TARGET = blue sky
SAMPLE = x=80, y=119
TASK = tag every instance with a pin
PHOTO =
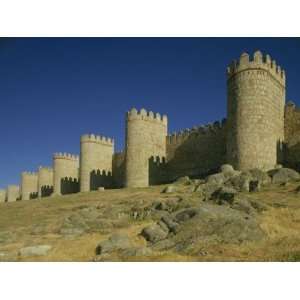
x=55, y=89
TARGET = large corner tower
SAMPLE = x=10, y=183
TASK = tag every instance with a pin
x=255, y=112
x=145, y=137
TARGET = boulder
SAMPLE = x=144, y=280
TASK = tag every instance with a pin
x=224, y=195
x=154, y=233
x=262, y=177
x=185, y=215
x=169, y=189
x=217, y=178
x=183, y=180
x=114, y=243
x=283, y=175
x=40, y=250
x=227, y=168
x=241, y=182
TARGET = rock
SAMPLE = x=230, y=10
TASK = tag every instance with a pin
x=240, y=183
x=217, y=178
x=208, y=189
x=183, y=180
x=169, y=189
x=154, y=233
x=185, y=215
x=278, y=166
x=170, y=224
x=224, y=195
x=101, y=189
x=262, y=177
x=216, y=224
x=114, y=243
x=243, y=205
x=40, y=250
x=254, y=186
x=283, y=175
x=227, y=168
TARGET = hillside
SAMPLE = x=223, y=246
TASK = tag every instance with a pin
x=181, y=225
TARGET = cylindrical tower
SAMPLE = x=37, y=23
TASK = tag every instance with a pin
x=45, y=181
x=145, y=137
x=13, y=193
x=96, y=154
x=65, y=167
x=29, y=185
x=255, y=112
x=2, y=195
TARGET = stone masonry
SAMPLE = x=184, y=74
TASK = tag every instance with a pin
x=13, y=193
x=29, y=185
x=260, y=131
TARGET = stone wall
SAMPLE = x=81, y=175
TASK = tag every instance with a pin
x=96, y=155
x=66, y=173
x=292, y=136
x=13, y=193
x=118, y=169
x=29, y=185
x=145, y=137
x=2, y=195
x=45, y=181
x=196, y=151
x=255, y=112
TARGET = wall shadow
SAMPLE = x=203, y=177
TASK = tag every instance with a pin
x=100, y=178
x=33, y=195
x=46, y=190
x=69, y=185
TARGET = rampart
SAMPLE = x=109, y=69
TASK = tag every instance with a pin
x=96, y=155
x=292, y=135
x=118, y=169
x=196, y=151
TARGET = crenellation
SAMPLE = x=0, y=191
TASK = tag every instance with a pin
x=92, y=138
x=150, y=116
x=258, y=63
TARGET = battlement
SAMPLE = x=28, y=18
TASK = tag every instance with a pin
x=211, y=128
x=26, y=173
x=257, y=62
x=92, y=138
x=133, y=114
x=48, y=169
x=66, y=156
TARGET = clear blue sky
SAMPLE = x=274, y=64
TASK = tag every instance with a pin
x=52, y=90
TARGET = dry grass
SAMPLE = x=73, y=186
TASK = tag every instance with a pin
x=37, y=222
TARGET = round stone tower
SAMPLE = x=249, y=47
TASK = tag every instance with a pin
x=255, y=112
x=65, y=166
x=96, y=153
x=45, y=181
x=29, y=185
x=145, y=137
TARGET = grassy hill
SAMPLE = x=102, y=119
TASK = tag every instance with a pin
x=73, y=226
